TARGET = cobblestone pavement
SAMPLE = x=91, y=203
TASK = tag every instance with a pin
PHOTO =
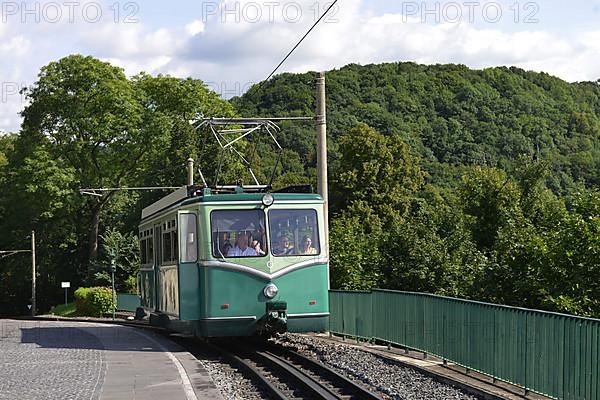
x=69, y=361
x=41, y=360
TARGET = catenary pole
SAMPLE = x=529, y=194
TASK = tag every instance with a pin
x=322, y=185
x=190, y=171
x=33, y=274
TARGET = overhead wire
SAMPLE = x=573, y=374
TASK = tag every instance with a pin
x=298, y=44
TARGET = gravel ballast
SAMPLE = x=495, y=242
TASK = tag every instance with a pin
x=231, y=383
x=393, y=381
x=378, y=374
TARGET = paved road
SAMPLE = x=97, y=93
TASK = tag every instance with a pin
x=64, y=360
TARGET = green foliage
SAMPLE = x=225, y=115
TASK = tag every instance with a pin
x=431, y=250
x=377, y=170
x=65, y=310
x=86, y=112
x=450, y=115
x=354, y=254
x=473, y=183
x=110, y=131
x=87, y=126
x=173, y=102
x=124, y=250
x=81, y=299
x=492, y=199
x=131, y=285
x=502, y=154
x=6, y=146
x=94, y=301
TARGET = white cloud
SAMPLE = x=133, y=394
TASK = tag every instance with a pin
x=247, y=51
x=16, y=47
x=194, y=28
x=132, y=42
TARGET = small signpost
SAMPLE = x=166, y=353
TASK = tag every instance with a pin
x=66, y=286
x=113, y=269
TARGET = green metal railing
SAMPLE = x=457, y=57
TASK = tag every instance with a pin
x=128, y=302
x=553, y=354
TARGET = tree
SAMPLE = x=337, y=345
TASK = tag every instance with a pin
x=111, y=131
x=90, y=114
x=574, y=266
x=354, y=251
x=492, y=199
x=123, y=249
x=431, y=249
x=177, y=102
x=379, y=171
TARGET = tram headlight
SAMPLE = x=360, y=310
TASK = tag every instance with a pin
x=270, y=290
x=268, y=200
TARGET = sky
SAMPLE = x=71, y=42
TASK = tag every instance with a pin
x=233, y=44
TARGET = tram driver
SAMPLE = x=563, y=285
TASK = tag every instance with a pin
x=241, y=248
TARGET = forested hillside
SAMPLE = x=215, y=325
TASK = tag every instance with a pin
x=473, y=183
x=453, y=116
x=478, y=184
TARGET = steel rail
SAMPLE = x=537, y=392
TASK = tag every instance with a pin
x=314, y=388
x=250, y=370
x=328, y=373
x=316, y=380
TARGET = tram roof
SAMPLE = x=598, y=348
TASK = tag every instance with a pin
x=190, y=194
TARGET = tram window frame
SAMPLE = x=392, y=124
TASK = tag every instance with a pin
x=231, y=235
x=170, y=249
x=143, y=252
x=188, y=251
x=275, y=238
x=147, y=246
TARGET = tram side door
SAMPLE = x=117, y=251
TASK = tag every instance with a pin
x=158, y=261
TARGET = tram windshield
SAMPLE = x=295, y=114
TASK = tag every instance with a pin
x=238, y=233
x=294, y=232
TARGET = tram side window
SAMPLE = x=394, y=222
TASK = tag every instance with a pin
x=169, y=242
x=238, y=233
x=150, y=247
x=294, y=232
x=146, y=247
x=188, y=238
x=143, y=250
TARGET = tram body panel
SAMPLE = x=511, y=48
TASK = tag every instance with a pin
x=192, y=285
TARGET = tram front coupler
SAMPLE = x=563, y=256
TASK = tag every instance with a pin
x=275, y=320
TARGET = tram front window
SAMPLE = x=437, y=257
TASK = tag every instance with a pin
x=238, y=233
x=294, y=232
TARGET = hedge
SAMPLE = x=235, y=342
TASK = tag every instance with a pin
x=94, y=301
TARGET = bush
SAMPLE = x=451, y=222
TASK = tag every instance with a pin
x=94, y=301
x=131, y=285
x=81, y=302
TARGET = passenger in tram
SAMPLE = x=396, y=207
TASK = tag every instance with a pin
x=241, y=248
x=306, y=247
x=285, y=247
x=256, y=247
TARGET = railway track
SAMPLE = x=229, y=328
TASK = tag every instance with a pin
x=278, y=372
x=286, y=374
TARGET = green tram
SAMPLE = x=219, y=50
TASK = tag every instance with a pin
x=235, y=262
